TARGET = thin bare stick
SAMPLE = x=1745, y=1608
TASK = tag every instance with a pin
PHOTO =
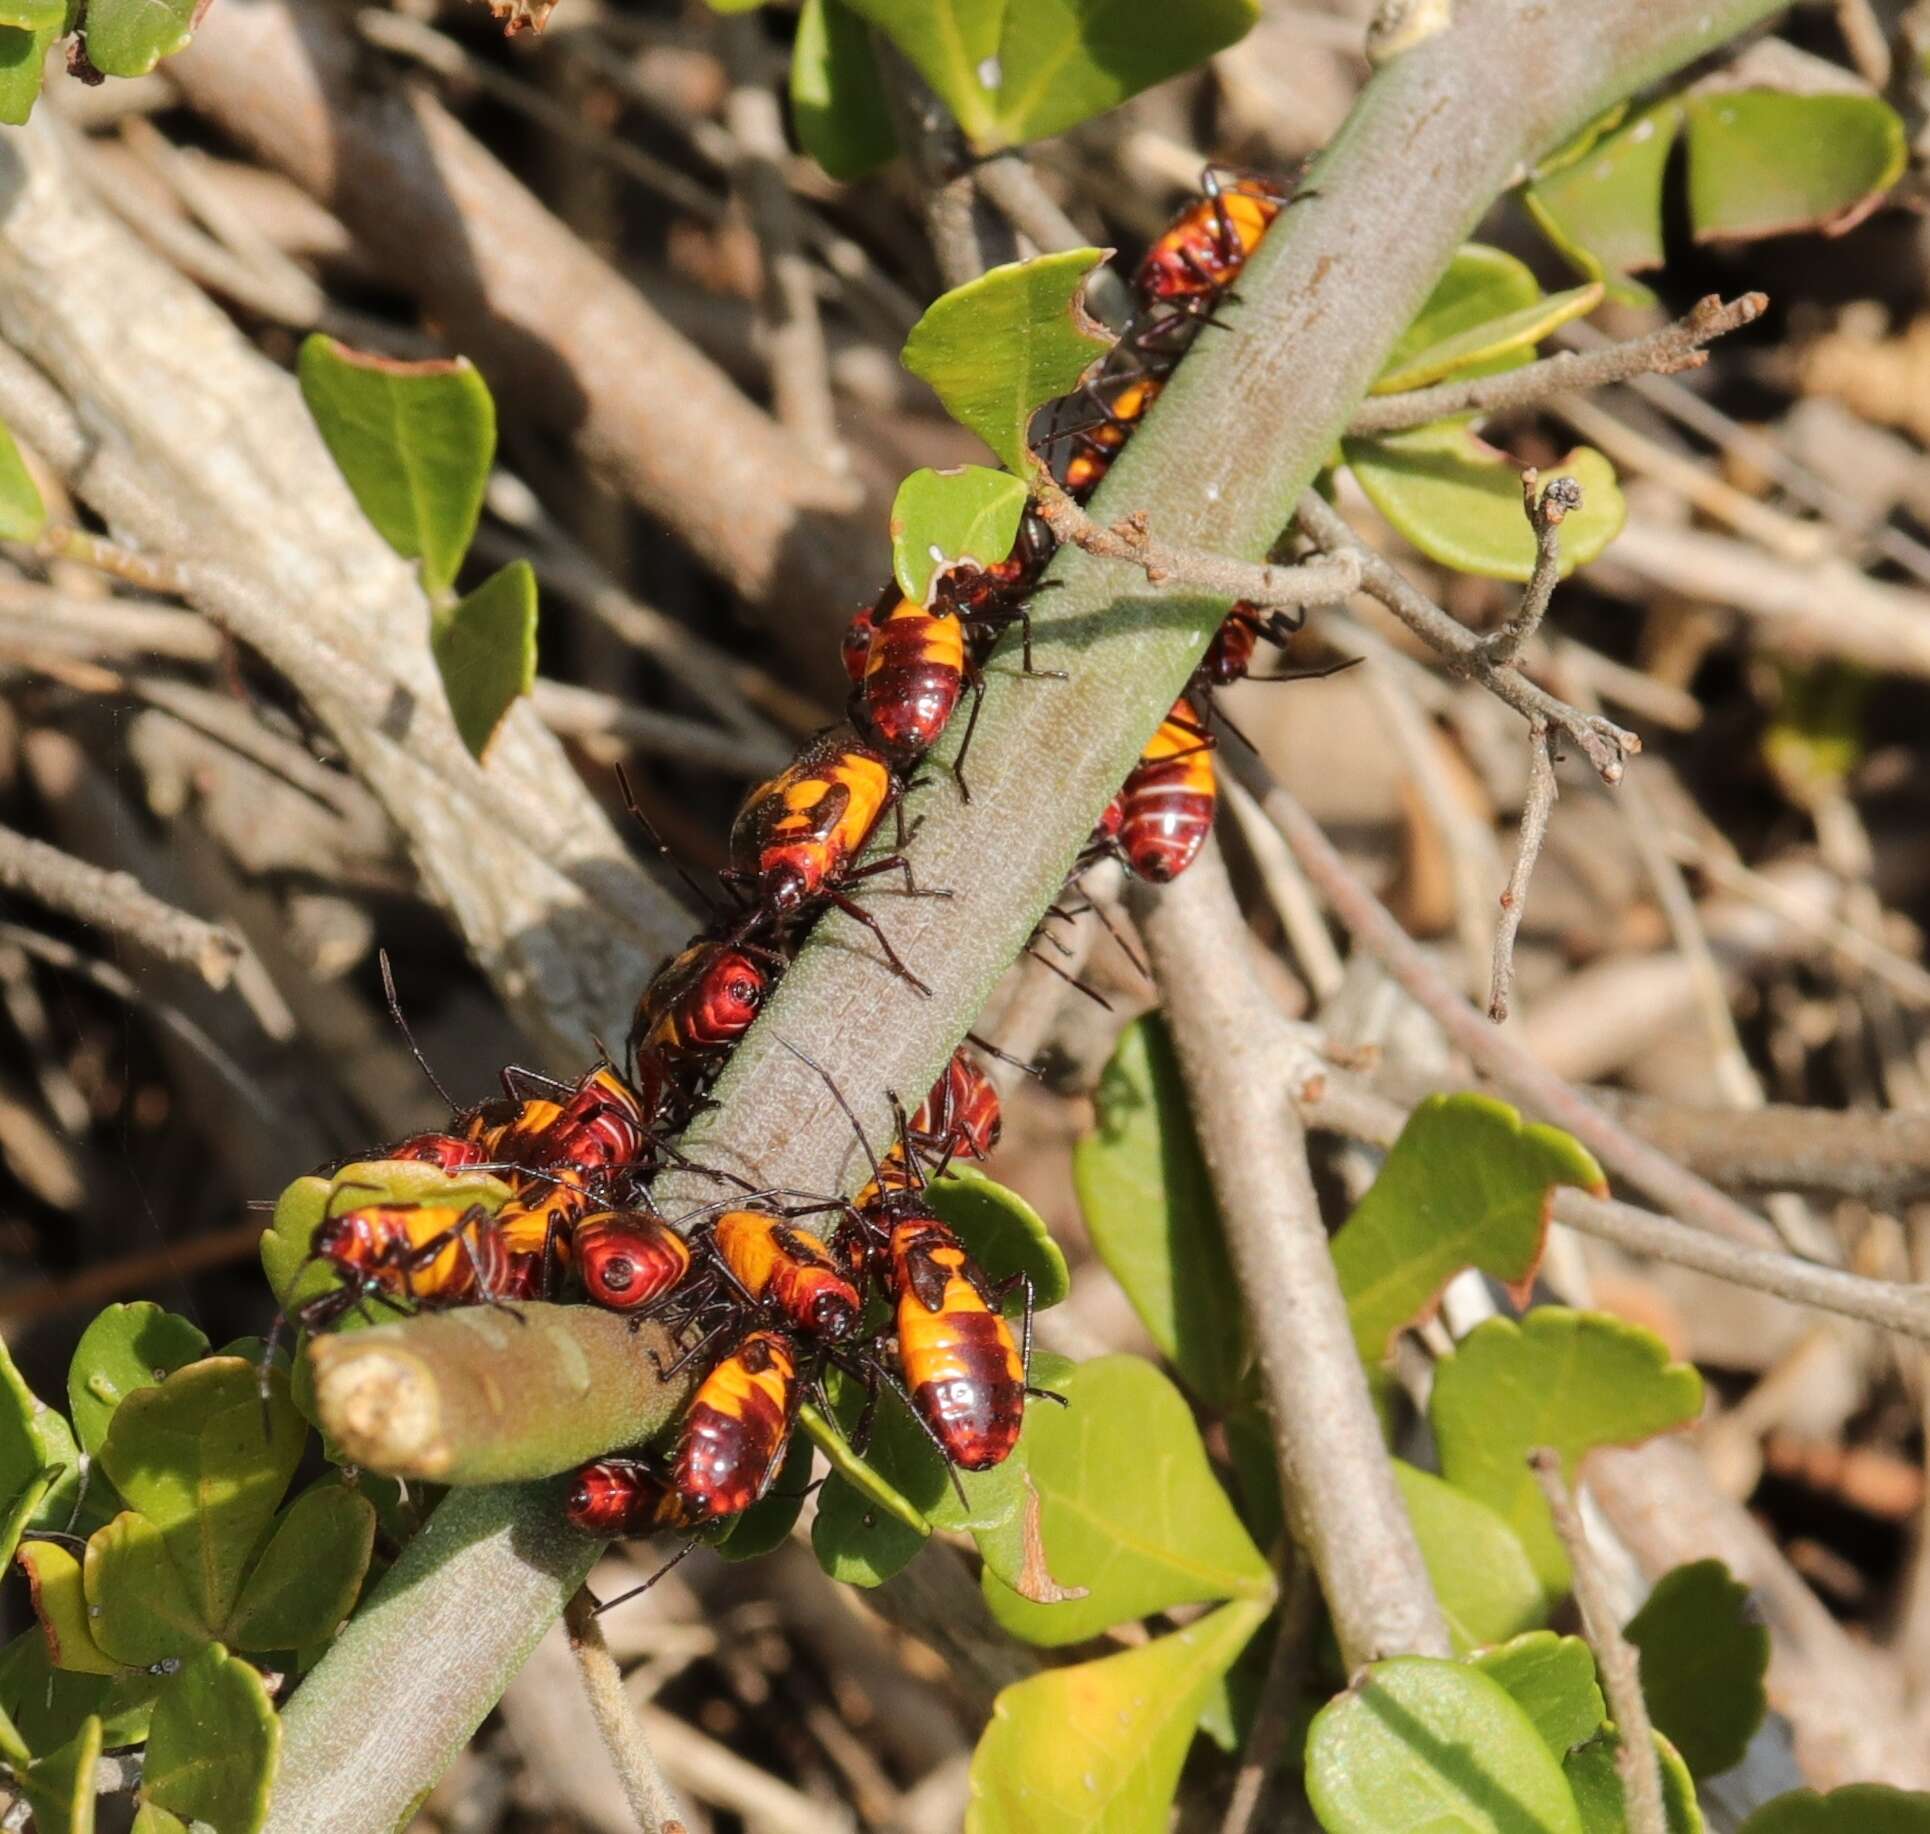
x=1535, y=811
x=1606, y=745
x=151, y=572
x=1675, y=347
x=1273, y=1717
x=116, y=902
x=651, y=1799
x=1008, y=181
x=1621, y=1676
x=1327, y=579
x=1341, y=1497
x=1493, y=1052
x=1334, y=1101
x=1545, y=514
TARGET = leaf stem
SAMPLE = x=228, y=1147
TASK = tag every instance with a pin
x=651, y=1798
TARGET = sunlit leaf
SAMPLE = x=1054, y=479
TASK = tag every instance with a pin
x=213, y=1746
x=1762, y=163
x=838, y=100
x=1458, y=499
x=414, y=440
x=940, y=517
x=1005, y=1235
x=1480, y=1570
x=129, y=37
x=1568, y=1380
x=308, y=1576
x=1553, y=1681
x=60, y=1603
x=1597, y=1787
x=1144, y=1193
x=23, y=60
x=1705, y=1651
x=1498, y=344
x=1467, y=1184
x=139, y=1606
x=1419, y=1743
x=1098, y=1746
x=1604, y=210
x=485, y=650
x=999, y=347
x=126, y=1347
x=1130, y=1508
x=1480, y=286
x=953, y=45
x=35, y=1448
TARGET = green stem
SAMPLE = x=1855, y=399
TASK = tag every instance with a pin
x=1434, y=138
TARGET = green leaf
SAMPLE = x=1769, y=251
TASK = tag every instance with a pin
x=1705, y=1650
x=1144, y=1193
x=1481, y=285
x=485, y=648
x=127, y=1347
x=1604, y=210
x=1597, y=1788
x=858, y=1541
x=1762, y=163
x=129, y=37
x=36, y=1451
x=192, y=1457
x=22, y=514
x=59, y=1788
x=1499, y=344
x=829, y=1438
x=214, y=1745
x=1005, y=1235
x=765, y=1526
x=60, y=1603
x=999, y=347
x=150, y=1820
x=1129, y=1508
x=14, y=1750
x=1065, y=61
x=1553, y=1681
x=1481, y=1573
x=838, y=99
x=23, y=61
x=1862, y=1808
x=1098, y=1746
x=1458, y=499
x=1818, y=734
x=48, y=1705
x=414, y=440
x=1467, y=1184
x=952, y=44
x=1419, y=1743
x=1569, y=1380
x=309, y=1575
x=138, y=1602
x=941, y=517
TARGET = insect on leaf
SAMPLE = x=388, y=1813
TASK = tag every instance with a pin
x=940, y=517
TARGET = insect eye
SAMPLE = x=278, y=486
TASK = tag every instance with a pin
x=618, y=1274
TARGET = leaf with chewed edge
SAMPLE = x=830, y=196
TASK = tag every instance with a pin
x=1603, y=210
x=939, y=518
x=1467, y=1184
x=998, y=348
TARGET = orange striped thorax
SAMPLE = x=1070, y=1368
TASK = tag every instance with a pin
x=799, y=1277
x=629, y=1259
x=453, y=1152
x=698, y=1004
x=1201, y=252
x=959, y=1359
x=410, y=1250
x=737, y=1427
x=797, y=833
x=1126, y=401
x=619, y=1496
x=914, y=674
x=1169, y=798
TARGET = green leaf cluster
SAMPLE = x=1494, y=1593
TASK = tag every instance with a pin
x=415, y=441
x=173, y=1475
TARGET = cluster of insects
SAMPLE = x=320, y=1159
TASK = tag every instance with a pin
x=882, y=1290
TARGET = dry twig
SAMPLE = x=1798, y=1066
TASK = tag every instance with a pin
x=650, y=1797
x=1621, y=1676
x=1536, y=808
x=1675, y=347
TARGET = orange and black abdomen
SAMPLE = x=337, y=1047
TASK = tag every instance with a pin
x=628, y=1259
x=453, y=1152
x=913, y=676
x=799, y=831
x=738, y=1425
x=1230, y=655
x=1169, y=798
x=619, y=1496
x=961, y=1116
x=699, y=1004
x=1096, y=447
x=955, y=1349
x=1202, y=251
x=792, y=1271
x=378, y=1243
x=603, y=1127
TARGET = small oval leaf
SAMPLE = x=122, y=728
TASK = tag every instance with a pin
x=1604, y=210
x=1705, y=1650
x=838, y=100
x=1497, y=344
x=998, y=348
x=1481, y=1572
x=129, y=37
x=1005, y=1235
x=485, y=650
x=59, y=1596
x=1458, y=499
x=213, y=1745
x=941, y=517
x=1861, y=1808
x=127, y=1347
x=138, y=1602
x=1553, y=1681
x=1480, y=286
x=1763, y=163
x=310, y=1573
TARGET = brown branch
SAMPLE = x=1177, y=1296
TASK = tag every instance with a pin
x=117, y=903
x=1326, y=579
x=1536, y=808
x=1545, y=514
x=1675, y=347
x=1335, y=1476
x=1493, y=1052
x=150, y=572
x=650, y=1798
x=1606, y=745
x=1635, y=1756
x=1289, y=1669
x=1009, y=181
